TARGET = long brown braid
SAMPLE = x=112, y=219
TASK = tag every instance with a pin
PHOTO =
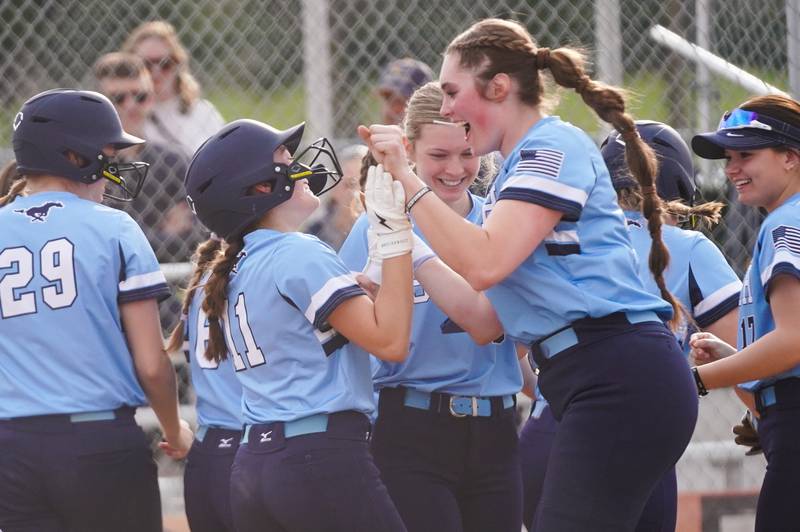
x=12, y=184
x=203, y=256
x=16, y=190
x=216, y=289
x=494, y=46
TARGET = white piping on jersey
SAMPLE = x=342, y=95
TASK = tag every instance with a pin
x=142, y=281
x=550, y=186
x=323, y=337
x=324, y=294
x=563, y=237
x=717, y=297
x=780, y=256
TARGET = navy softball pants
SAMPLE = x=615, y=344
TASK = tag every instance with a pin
x=627, y=406
x=448, y=473
x=779, y=432
x=65, y=473
x=206, y=480
x=535, y=441
x=316, y=482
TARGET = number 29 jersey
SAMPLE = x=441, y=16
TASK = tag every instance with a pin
x=65, y=266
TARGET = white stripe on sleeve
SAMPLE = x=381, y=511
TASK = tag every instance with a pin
x=718, y=297
x=324, y=294
x=548, y=186
x=142, y=281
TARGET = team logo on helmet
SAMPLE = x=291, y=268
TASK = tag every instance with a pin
x=40, y=212
x=17, y=121
x=190, y=201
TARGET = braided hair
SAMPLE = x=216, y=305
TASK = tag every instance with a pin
x=204, y=255
x=216, y=290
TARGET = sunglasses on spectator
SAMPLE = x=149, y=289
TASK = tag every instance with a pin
x=161, y=63
x=119, y=98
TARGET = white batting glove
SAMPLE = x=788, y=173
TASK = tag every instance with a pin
x=386, y=213
x=374, y=264
x=419, y=255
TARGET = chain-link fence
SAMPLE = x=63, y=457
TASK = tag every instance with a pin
x=318, y=60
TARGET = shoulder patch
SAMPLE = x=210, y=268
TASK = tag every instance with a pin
x=786, y=238
x=543, y=161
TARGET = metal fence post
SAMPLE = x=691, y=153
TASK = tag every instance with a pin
x=317, y=68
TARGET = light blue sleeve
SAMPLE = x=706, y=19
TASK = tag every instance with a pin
x=779, y=249
x=140, y=276
x=713, y=285
x=355, y=249
x=552, y=173
x=314, y=279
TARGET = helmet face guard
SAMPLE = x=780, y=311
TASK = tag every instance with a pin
x=127, y=179
x=314, y=163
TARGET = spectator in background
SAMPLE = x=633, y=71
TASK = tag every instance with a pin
x=399, y=79
x=179, y=117
x=160, y=208
x=343, y=204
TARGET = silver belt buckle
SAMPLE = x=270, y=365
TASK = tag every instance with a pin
x=473, y=401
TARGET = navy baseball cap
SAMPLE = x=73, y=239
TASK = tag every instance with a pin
x=742, y=130
x=404, y=76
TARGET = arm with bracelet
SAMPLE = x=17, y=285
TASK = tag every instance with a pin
x=471, y=310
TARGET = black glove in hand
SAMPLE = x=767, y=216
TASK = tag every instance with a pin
x=747, y=435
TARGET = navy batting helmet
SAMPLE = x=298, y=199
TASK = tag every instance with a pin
x=58, y=123
x=675, y=178
x=225, y=168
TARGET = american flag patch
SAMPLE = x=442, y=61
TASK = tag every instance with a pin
x=786, y=238
x=541, y=162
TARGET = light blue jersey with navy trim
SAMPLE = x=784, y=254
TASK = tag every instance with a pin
x=218, y=391
x=290, y=362
x=698, y=274
x=586, y=267
x=66, y=264
x=441, y=357
x=776, y=252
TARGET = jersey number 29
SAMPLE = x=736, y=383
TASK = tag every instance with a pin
x=55, y=265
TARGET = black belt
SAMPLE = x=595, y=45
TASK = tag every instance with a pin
x=785, y=392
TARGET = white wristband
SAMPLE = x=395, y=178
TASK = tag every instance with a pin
x=393, y=244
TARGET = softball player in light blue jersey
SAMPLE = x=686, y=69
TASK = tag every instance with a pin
x=296, y=324
x=555, y=257
x=760, y=142
x=698, y=275
x=218, y=404
x=80, y=341
x=445, y=437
